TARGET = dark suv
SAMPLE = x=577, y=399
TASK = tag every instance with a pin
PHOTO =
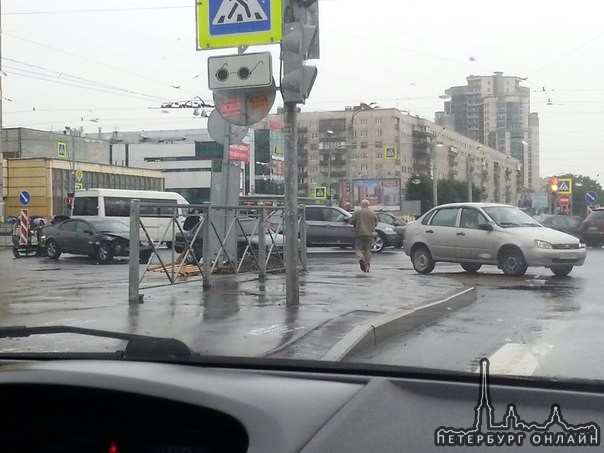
x=327, y=226
x=592, y=228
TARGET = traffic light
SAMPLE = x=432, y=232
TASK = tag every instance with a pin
x=299, y=42
x=553, y=184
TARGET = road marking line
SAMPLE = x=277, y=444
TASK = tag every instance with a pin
x=513, y=359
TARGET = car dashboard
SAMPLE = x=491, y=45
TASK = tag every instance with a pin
x=120, y=407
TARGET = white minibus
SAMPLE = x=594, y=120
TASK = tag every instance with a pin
x=115, y=203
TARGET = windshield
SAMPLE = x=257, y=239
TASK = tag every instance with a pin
x=509, y=217
x=488, y=114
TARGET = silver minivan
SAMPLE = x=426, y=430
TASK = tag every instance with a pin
x=474, y=234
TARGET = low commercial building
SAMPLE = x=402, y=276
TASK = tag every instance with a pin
x=46, y=183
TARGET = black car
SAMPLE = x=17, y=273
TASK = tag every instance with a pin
x=566, y=223
x=98, y=238
x=247, y=236
x=592, y=228
x=398, y=224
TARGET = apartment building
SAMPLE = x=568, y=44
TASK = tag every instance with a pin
x=495, y=111
x=362, y=150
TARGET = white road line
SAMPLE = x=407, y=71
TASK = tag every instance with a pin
x=515, y=359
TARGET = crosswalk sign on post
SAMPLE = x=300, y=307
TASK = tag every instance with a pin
x=62, y=150
x=233, y=23
x=565, y=186
x=390, y=152
x=320, y=193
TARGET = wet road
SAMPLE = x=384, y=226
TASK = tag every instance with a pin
x=537, y=325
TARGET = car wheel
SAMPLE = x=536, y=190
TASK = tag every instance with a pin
x=471, y=268
x=53, y=250
x=422, y=260
x=562, y=270
x=512, y=262
x=378, y=243
x=105, y=253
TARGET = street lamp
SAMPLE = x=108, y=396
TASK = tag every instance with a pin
x=362, y=107
x=469, y=174
x=435, y=145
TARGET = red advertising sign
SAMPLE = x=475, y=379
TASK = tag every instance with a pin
x=240, y=152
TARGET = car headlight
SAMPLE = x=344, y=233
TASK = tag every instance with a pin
x=582, y=245
x=389, y=230
x=543, y=244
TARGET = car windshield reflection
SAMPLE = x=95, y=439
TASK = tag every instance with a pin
x=510, y=217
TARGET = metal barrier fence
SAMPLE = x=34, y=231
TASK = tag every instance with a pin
x=236, y=238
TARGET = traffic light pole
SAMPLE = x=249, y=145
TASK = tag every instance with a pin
x=292, y=280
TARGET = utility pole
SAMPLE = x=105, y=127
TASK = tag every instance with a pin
x=434, y=175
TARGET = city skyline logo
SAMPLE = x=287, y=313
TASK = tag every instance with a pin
x=513, y=430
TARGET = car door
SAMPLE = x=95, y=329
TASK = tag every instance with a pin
x=338, y=230
x=82, y=240
x=441, y=234
x=314, y=226
x=473, y=243
x=65, y=235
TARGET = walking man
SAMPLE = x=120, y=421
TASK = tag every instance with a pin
x=364, y=221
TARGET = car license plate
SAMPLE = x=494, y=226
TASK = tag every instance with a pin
x=593, y=228
x=568, y=256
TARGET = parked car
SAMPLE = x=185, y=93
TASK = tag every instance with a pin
x=327, y=226
x=474, y=234
x=592, y=228
x=100, y=238
x=247, y=235
x=397, y=224
x=570, y=224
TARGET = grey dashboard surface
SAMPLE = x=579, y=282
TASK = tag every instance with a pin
x=310, y=411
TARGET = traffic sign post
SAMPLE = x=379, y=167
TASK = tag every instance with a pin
x=24, y=198
x=227, y=23
x=240, y=71
x=591, y=197
x=564, y=200
x=320, y=192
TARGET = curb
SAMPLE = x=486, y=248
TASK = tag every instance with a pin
x=383, y=327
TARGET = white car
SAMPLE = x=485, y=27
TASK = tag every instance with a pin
x=474, y=234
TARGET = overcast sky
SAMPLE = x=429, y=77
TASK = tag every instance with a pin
x=110, y=64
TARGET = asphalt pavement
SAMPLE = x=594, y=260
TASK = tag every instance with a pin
x=340, y=306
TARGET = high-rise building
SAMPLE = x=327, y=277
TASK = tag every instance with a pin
x=365, y=151
x=495, y=111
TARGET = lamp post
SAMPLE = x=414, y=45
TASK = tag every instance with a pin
x=362, y=107
x=434, y=176
x=469, y=174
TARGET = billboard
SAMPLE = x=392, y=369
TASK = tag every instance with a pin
x=381, y=193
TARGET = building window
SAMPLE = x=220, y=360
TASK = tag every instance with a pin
x=378, y=132
x=378, y=121
x=379, y=155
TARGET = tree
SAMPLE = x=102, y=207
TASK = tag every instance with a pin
x=449, y=191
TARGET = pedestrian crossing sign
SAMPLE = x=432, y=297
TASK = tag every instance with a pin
x=390, y=152
x=320, y=193
x=565, y=186
x=62, y=150
x=234, y=23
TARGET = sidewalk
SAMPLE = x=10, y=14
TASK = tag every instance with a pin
x=340, y=306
